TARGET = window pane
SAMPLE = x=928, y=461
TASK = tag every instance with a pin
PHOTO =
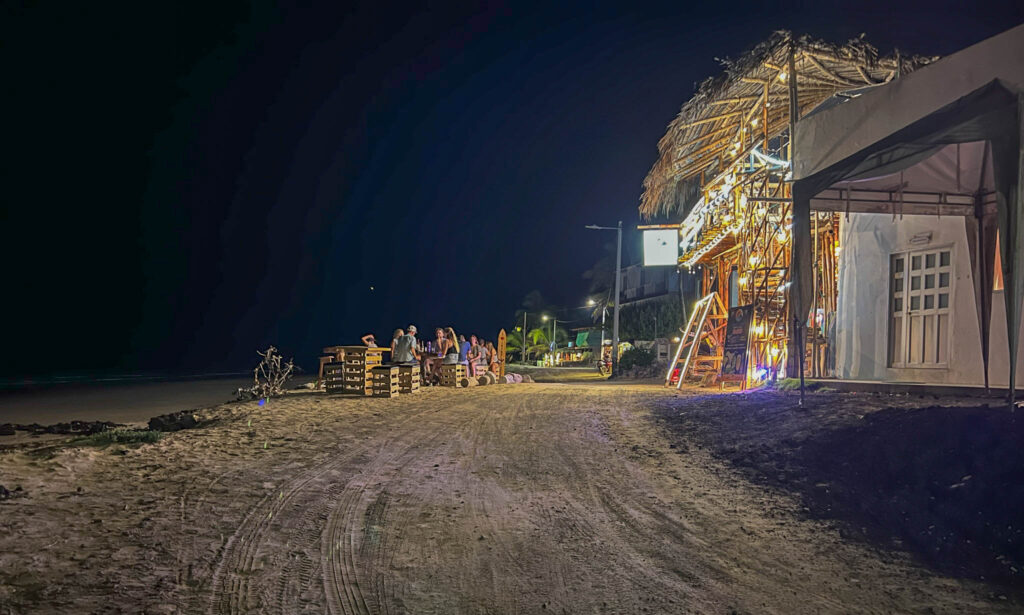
x=943, y=280
x=915, y=262
x=929, y=340
x=915, y=302
x=897, y=305
x=915, y=282
x=898, y=285
x=929, y=281
x=929, y=302
x=943, y=300
x=929, y=261
x=940, y=335
x=899, y=265
x=944, y=259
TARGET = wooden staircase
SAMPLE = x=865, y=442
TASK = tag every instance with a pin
x=699, y=354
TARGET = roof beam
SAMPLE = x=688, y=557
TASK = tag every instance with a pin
x=865, y=76
x=706, y=120
x=817, y=64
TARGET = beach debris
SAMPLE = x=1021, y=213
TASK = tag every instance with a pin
x=77, y=428
x=175, y=421
x=269, y=377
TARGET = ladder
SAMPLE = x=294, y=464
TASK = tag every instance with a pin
x=707, y=323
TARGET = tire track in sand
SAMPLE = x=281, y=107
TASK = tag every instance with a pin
x=231, y=582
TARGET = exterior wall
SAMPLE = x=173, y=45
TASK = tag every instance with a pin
x=639, y=282
x=862, y=320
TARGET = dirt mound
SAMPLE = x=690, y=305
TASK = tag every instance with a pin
x=175, y=421
x=77, y=428
x=944, y=483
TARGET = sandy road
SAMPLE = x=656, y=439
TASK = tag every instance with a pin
x=511, y=499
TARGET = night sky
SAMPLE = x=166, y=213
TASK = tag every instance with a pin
x=184, y=184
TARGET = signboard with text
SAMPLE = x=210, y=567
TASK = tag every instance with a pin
x=737, y=338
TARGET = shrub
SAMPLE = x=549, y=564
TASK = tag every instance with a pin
x=120, y=436
x=636, y=357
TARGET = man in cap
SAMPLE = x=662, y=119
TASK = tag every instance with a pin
x=405, y=347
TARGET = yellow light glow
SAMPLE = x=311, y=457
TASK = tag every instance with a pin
x=754, y=259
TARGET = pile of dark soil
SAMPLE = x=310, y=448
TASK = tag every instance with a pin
x=943, y=482
x=77, y=428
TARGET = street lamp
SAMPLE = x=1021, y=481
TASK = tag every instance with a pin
x=618, y=285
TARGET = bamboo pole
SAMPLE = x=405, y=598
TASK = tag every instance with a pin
x=794, y=107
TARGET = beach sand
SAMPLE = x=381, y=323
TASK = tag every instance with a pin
x=531, y=498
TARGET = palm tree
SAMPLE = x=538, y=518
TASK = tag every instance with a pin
x=540, y=339
x=513, y=345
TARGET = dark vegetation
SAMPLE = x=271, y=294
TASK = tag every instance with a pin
x=944, y=483
x=119, y=436
x=636, y=357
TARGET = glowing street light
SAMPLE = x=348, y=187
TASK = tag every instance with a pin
x=618, y=284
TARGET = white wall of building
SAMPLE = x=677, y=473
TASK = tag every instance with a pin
x=862, y=320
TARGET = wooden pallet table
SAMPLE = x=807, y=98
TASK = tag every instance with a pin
x=451, y=375
x=385, y=381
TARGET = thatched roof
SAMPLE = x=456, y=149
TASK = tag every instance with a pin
x=727, y=109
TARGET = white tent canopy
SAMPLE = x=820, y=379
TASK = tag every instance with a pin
x=828, y=136
x=944, y=140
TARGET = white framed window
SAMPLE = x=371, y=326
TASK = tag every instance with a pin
x=920, y=307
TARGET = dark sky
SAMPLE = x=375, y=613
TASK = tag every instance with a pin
x=185, y=184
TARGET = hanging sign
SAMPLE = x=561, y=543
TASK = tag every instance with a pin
x=737, y=337
x=661, y=247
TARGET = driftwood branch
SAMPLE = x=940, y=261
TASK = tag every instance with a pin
x=269, y=377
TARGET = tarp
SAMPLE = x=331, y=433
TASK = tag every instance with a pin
x=992, y=112
x=827, y=135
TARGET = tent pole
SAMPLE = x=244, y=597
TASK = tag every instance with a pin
x=794, y=110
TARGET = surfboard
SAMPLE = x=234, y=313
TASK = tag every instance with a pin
x=501, y=354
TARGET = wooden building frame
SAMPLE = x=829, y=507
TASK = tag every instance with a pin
x=725, y=165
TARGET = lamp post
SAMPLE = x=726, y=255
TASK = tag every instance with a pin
x=553, y=344
x=618, y=287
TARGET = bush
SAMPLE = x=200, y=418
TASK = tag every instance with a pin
x=120, y=436
x=636, y=357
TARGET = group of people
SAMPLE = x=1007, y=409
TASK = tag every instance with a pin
x=446, y=348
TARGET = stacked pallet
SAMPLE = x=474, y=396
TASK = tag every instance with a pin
x=408, y=379
x=452, y=375
x=359, y=361
x=334, y=377
x=385, y=381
